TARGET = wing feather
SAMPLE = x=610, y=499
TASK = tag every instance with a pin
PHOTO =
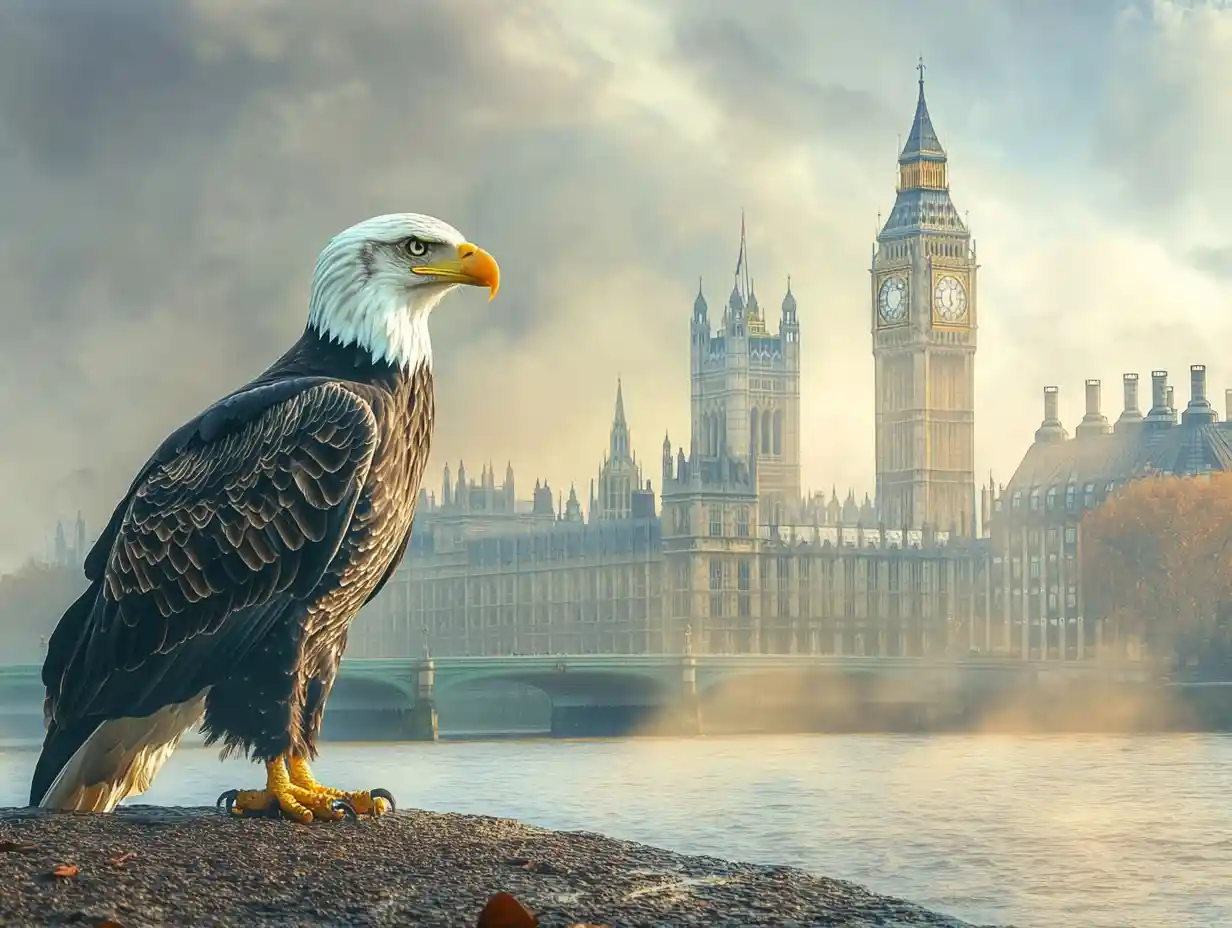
x=226, y=523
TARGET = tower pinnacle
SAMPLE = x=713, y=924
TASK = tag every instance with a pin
x=922, y=142
x=743, y=284
x=619, y=418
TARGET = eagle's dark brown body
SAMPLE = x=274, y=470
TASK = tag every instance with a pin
x=239, y=556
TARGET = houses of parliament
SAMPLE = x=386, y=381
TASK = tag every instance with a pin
x=732, y=558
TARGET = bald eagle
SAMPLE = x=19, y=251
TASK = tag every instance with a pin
x=227, y=577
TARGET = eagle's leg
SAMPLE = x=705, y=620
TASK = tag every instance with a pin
x=283, y=797
x=370, y=802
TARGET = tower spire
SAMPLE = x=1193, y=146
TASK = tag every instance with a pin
x=618, y=448
x=922, y=142
x=743, y=282
x=619, y=418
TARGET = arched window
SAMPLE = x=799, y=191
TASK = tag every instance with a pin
x=753, y=431
x=778, y=431
x=765, y=434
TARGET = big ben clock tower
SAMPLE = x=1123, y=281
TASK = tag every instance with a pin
x=924, y=315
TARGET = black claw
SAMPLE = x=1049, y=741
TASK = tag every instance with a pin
x=382, y=794
x=341, y=805
x=228, y=799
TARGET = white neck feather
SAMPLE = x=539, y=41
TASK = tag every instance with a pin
x=393, y=331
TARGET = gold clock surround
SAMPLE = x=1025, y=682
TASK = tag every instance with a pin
x=965, y=281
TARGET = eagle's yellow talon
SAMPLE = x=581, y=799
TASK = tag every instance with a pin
x=370, y=802
x=279, y=796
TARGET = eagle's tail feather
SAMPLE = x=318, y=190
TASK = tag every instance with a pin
x=93, y=765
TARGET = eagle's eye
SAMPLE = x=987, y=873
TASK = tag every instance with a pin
x=416, y=247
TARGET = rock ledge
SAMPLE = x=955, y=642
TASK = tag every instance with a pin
x=147, y=866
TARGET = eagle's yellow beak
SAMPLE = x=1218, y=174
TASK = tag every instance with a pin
x=473, y=266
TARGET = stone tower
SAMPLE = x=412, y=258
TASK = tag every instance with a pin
x=924, y=316
x=620, y=476
x=746, y=391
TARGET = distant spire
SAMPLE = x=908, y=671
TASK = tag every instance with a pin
x=922, y=141
x=743, y=282
x=619, y=418
x=789, y=303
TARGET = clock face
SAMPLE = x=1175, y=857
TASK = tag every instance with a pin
x=950, y=300
x=892, y=300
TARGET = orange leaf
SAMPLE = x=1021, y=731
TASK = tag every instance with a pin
x=504, y=911
x=123, y=858
x=108, y=923
x=65, y=871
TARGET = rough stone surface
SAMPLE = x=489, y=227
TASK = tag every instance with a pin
x=148, y=866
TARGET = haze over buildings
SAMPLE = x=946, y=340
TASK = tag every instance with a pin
x=171, y=169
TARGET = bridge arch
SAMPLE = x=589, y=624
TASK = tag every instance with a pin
x=367, y=708
x=563, y=683
x=574, y=702
x=370, y=693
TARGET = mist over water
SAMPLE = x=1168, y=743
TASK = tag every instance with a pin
x=1090, y=831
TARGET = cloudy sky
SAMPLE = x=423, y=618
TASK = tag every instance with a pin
x=170, y=168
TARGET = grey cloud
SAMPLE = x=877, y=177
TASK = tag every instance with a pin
x=1216, y=261
x=758, y=71
x=170, y=168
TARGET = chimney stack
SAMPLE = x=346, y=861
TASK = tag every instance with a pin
x=1227, y=401
x=1092, y=397
x=1171, y=400
x=1199, y=411
x=1051, y=428
x=1160, y=415
x=1094, y=422
x=1131, y=414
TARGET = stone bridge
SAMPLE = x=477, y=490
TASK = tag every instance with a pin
x=615, y=694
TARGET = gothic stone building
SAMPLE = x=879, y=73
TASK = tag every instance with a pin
x=737, y=558
x=489, y=574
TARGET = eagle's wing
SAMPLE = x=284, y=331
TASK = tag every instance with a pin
x=242, y=512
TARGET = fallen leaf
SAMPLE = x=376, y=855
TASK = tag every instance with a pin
x=123, y=858
x=108, y=923
x=16, y=847
x=504, y=911
x=65, y=871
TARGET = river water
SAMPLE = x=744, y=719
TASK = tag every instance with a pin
x=1101, y=832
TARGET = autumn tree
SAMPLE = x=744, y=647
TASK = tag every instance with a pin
x=1157, y=566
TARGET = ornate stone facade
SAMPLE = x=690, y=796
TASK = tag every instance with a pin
x=738, y=560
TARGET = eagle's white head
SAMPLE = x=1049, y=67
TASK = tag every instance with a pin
x=376, y=283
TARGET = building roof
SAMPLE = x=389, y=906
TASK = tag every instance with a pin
x=923, y=210
x=1132, y=452
x=922, y=141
